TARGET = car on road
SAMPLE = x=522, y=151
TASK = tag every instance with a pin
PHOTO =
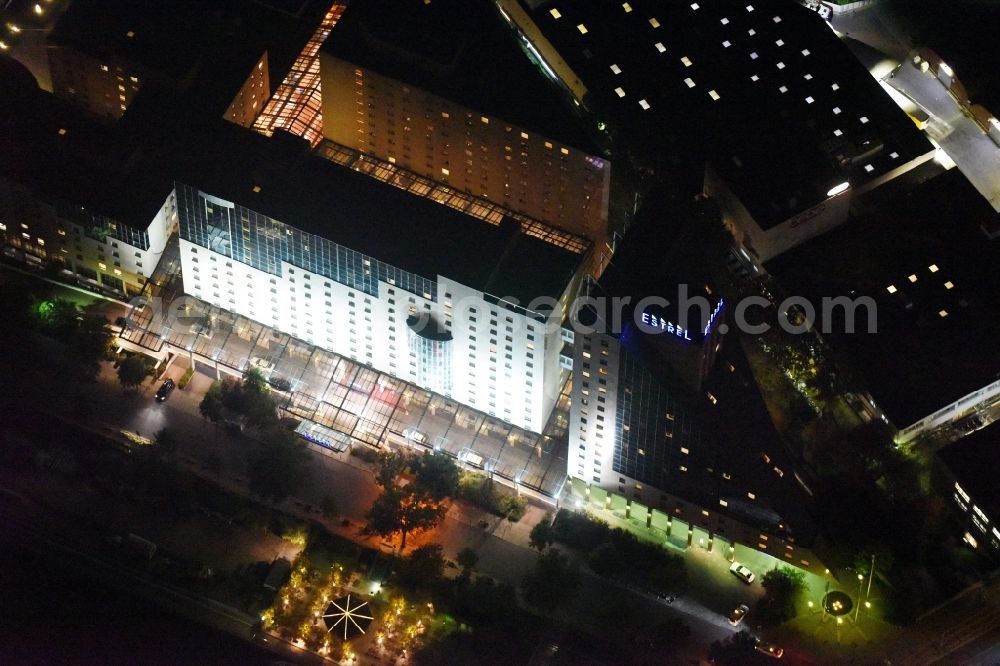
x=164, y=390
x=769, y=649
x=738, y=613
x=742, y=572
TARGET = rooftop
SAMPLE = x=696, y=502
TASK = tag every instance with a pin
x=126, y=172
x=974, y=460
x=209, y=46
x=764, y=89
x=934, y=277
x=461, y=50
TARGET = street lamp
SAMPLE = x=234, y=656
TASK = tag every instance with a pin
x=857, y=608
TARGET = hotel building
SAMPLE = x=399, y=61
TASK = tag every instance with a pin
x=444, y=90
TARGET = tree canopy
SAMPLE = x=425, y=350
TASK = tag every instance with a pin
x=133, y=370
x=552, y=582
x=279, y=465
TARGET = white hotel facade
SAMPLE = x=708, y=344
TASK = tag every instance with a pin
x=452, y=338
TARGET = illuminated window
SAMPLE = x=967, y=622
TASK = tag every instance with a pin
x=689, y=82
x=714, y=95
x=616, y=69
x=660, y=47
x=891, y=289
x=627, y=7
x=949, y=285
x=582, y=28
x=653, y=22
x=912, y=278
x=933, y=268
x=943, y=313
x=620, y=92
x=686, y=61
x=644, y=104
x=445, y=171
x=555, y=13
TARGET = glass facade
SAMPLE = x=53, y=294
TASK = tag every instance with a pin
x=263, y=243
x=101, y=228
x=432, y=347
x=654, y=425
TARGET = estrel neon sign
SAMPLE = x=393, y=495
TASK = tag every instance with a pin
x=714, y=316
x=666, y=326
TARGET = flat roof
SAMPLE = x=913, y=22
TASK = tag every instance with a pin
x=974, y=461
x=934, y=277
x=763, y=89
x=209, y=46
x=462, y=51
x=127, y=171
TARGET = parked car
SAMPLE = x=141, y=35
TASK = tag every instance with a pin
x=415, y=435
x=742, y=572
x=165, y=390
x=769, y=649
x=738, y=613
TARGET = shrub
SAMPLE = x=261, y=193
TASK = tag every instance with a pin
x=496, y=499
x=366, y=453
x=185, y=378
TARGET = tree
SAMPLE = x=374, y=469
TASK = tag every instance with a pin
x=437, y=473
x=782, y=587
x=553, y=581
x=133, y=370
x=211, y=405
x=91, y=342
x=467, y=559
x=166, y=441
x=542, y=535
x=279, y=466
x=604, y=560
x=390, y=466
x=328, y=505
x=254, y=380
x=424, y=566
x=58, y=317
x=736, y=650
x=402, y=511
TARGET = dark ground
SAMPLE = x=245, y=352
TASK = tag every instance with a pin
x=49, y=615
